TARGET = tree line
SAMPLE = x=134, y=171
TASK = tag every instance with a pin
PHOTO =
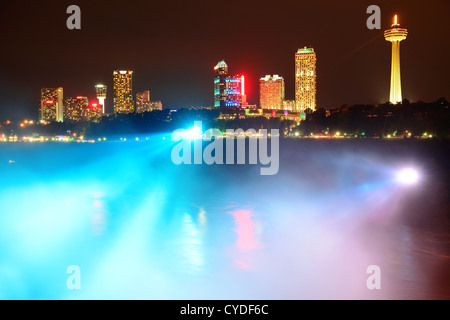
x=360, y=120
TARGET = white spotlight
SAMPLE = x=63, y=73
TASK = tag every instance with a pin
x=193, y=133
x=408, y=176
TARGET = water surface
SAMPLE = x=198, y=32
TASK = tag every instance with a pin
x=140, y=227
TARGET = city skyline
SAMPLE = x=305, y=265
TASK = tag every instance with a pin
x=353, y=69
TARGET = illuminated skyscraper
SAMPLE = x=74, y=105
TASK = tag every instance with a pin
x=233, y=91
x=52, y=104
x=305, y=79
x=74, y=108
x=156, y=105
x=220, y=73
x=79, y=109
x=93, y=112
x=227, y=89
x=100, y=89
x=123, y=98
x=395, y=35
x=143, y=101
x=271, y=92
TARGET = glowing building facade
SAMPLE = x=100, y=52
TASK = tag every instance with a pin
x=156, y=105
x=233, y=91
x=244, y=102
x=73, y=108
x=143, y=101
x=227, y=89
x=52, y=104
x=271, y=92
x=123, y=98
x=79, y=109
x=395, y=35
x=93, y=112
x=220, y=73
x=100, y=90
x=289, y=105
x=305, y=79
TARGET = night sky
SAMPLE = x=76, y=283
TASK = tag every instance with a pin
x=172, y=47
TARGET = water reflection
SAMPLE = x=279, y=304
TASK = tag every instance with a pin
x=98, y=216
x=191, y=244
x=146, y=229
x=246, y=231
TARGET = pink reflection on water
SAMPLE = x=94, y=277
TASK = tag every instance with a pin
x=246, y=231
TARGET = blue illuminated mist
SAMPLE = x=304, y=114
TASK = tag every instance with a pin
x=140, y=227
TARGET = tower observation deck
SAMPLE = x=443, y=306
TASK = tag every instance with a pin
x=395, y=35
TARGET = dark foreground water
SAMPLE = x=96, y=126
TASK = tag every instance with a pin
x=139, y=227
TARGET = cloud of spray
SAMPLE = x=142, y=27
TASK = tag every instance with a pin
x=140, y=227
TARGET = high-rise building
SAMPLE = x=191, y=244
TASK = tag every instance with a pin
x=233, y=91
x=143, y=101
x=100, y=89
x=227, y=89
x=156, y=105
x=305, y=79
x=289, y=105
x=84, y=105
x=79, y=109
x=271, y=92
x=395, y=35
x=220, y=73
x=123, y=98
x=93, y=112
x=52, y=104
x=74, y=108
